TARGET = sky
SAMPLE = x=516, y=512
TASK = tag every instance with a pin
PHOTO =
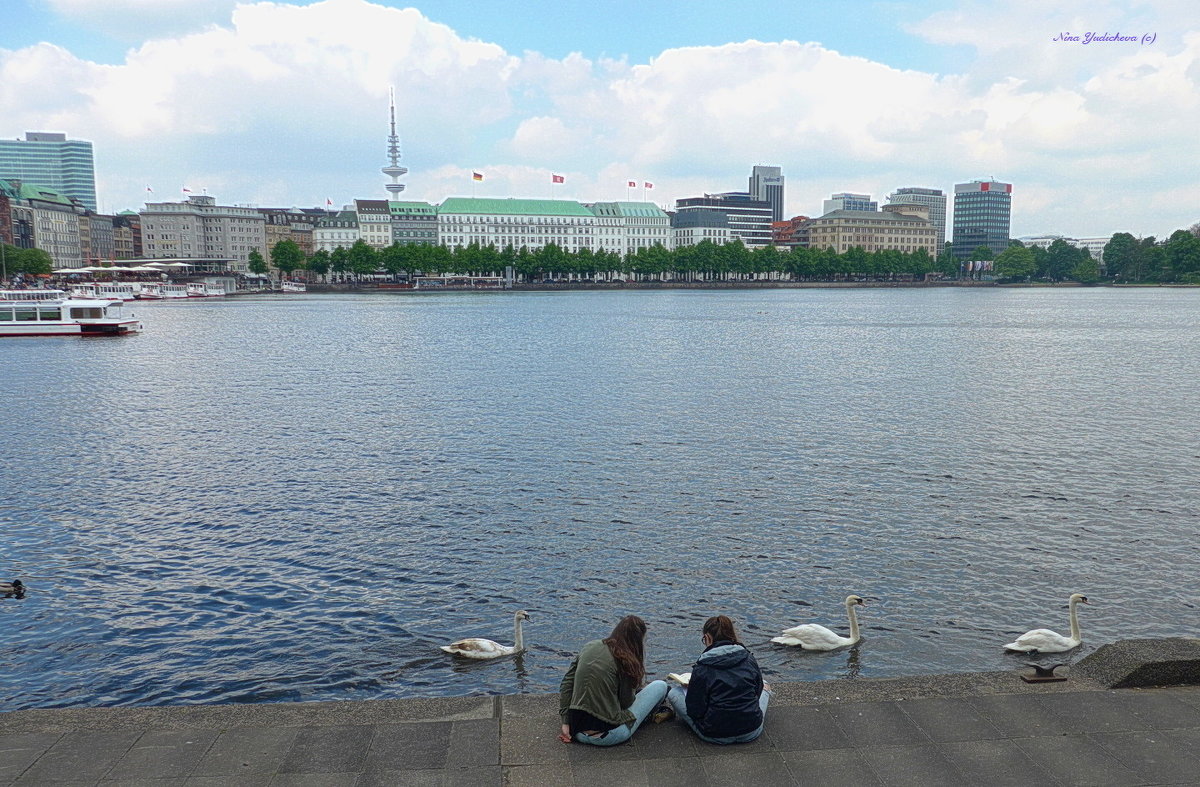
x=286, y=103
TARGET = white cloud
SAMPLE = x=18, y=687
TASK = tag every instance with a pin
x=130, y=20
x=285, y=104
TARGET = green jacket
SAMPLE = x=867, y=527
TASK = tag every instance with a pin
x=595, y=685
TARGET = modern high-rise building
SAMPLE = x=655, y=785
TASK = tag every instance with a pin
x=982, y=216
x=766, y=185
x=934, y=199
x=848, y=201
x=749, y=219
x=52, y=161
x=689, y=227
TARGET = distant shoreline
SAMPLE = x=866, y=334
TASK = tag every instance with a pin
x=742, y=285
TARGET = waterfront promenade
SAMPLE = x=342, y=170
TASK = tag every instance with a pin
x=967, y=729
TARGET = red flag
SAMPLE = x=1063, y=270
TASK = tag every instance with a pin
x=648, y=185
x=328, y=202
x=557, y=179
x=150, y=190
x=633, y=184
x=187, y=190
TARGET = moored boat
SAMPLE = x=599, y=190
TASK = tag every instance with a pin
x=170, y=291
x=293, y=286
x=55, y=313
x=205, y=290
x=150, y=292
x=117, y=290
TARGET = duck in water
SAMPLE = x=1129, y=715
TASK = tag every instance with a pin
x=14, y=589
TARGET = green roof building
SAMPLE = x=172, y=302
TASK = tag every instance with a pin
x=621, y=227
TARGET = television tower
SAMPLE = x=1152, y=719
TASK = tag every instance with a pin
x=394, y=170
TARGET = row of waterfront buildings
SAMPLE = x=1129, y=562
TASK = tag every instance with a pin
x=47, y=200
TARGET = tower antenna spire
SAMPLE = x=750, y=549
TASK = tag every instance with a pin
x=393, y=170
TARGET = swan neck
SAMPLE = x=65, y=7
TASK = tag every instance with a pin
x=853, y=613
x=518, y=642
x=1074, y=605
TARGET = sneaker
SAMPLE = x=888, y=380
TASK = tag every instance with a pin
x=664, y=713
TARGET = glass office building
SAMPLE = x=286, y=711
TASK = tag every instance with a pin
x=52, y=161
x=982, y=216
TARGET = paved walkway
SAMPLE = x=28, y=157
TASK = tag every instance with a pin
x=983, y=729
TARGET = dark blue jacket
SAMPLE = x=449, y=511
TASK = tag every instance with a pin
x=722, y=696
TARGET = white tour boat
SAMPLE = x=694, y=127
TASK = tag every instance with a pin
x=293, y=286
x=150, y=292
x=117, y=290
x=170, y=291
x=205, y=290
x=55, y=313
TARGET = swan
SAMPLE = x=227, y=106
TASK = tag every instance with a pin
x=810, y=636
x=1047, y=641
x=476, y=648
x=14, y=588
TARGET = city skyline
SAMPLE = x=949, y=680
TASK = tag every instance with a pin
x=286, y=103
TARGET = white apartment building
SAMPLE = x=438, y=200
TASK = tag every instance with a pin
x=374, y=222
x=625, y=227
x=621, y=227
x=199, y=228
x=336, y=231
x=1095, y=246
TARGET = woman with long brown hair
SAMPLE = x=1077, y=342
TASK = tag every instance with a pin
x=598, y=699
x=725, y=700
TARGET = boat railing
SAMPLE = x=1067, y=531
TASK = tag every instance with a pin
x=32, y=295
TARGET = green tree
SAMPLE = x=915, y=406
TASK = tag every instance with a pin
x=1087, y=270
x=395, y=258
x=256, y=263
x=982, y=253
x=287, y=257
x=1062, y=258
x=33, y=262
x=1120, y=255
x=362, y=259
x=1182, y=251
x=1150, y=260
x=339, y=260
x=947, y=263
x=1015, y=262
x=319, y=262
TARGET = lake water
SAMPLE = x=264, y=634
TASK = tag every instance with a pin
x=301, y=497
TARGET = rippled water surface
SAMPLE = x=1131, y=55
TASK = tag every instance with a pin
x=300, y=498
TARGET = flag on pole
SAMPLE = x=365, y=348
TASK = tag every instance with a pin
x=186, y=190
x=632, y=184
x=477, y=176
x=557, y=179
x=648, y=185
x=149, y=190
x=328, y=202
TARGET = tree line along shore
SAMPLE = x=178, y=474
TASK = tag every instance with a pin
x=1126, y=259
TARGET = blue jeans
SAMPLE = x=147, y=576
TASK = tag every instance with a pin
x=643, y=705
x=678, y=699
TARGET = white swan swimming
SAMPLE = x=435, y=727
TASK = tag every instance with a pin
x=811, y=636
x=1047, y=641
x=477, y=648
